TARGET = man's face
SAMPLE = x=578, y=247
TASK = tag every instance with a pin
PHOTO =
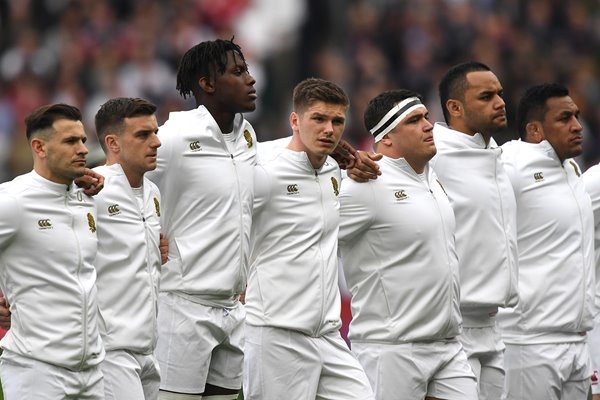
x=319, y=128
x=234, y=89
x=561, y=127
x=412, y=138
x=64, y=151
x=138, y=143
x=484, y=108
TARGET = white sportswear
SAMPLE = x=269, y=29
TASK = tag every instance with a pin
x=293, y=278
x=47, y=248
x=207, y=194
x=556, y=254
x=485, y=210
x=128, y=262
x=400, y=263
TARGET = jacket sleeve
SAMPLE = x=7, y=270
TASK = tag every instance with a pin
x=10, y=216
x=262, y=188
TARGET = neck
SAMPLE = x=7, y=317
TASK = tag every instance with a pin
x=462, y=128
x=223, y=118
x=316, y=160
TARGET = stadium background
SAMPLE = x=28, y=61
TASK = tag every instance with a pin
x=84, y=52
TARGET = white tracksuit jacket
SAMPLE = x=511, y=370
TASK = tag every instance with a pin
x=207, y=195
x=484, y=206
x=128, y=263
x=293, y=277
x=400, y=263
x=555, y=234
x=591, y=178
x=47, y=249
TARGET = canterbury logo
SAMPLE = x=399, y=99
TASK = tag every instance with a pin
x=248, y=137
x=400, y=195
x=91, y=222
x=575, y=167
x=195, y=146
x=44, y=224
x=336, y=187
x=157, y=206
x=538, y=176
x=292, y=189
x=114, y=209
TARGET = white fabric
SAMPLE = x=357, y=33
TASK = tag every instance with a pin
x=485, y=353
x=199, y=344
x=207, y=197
x=594, y=345
x=484, y=206
x=591, y=178
x=292, y=282
x=128, y=262
x=286, y=364
x=47, y=248
x=558, y=371
x=395, y=230
x=130, y=376
x=556, y=247
x=409, y=371
x=24, y=378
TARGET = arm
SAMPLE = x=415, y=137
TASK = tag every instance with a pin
x=357, y=210
x=4, y=313
x=91, y=183
x=164, y=249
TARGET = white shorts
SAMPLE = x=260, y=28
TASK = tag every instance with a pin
x=130, y=376
x=594, y=344
x=198, y=344
x=285, y=364
x=485, y=352
x=28, y=379
x=409, y=371
x=547, y=371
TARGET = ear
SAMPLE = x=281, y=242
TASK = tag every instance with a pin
x=535, y=132
x=38, y=147
x=294, y=119
x=112, y=143
x=454, y=107
x=206, y=85
x=386, y=141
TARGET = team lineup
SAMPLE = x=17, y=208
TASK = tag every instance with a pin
x=198, y=263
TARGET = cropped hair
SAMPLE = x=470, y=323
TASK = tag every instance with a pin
x=205, y=59
x=533, y=106
x=380, y=105
x=312, y=90
x=454, y=83
x=111, y=115
x=40, y=121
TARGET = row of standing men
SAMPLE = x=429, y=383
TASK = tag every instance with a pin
x=430, y=257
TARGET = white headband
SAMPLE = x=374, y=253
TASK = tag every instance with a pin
x=395, y=116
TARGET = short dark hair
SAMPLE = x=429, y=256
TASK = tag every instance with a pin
x=312, y=90
x=533, y=106
x=383, y=103
x=111, y=115
x=454, y=83
x=205, y=59
x=40, y=121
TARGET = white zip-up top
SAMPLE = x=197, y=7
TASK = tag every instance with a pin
x=484, y=206
x=397, y=244
x=207, y=193
x=47, y=248
x=293, y=277
x=555, y=234
x=591, y=178
x=128, y=262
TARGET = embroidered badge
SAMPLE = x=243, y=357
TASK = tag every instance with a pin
x=157, y=206
x=91, y=222
x=336, y=187
x=248, y=137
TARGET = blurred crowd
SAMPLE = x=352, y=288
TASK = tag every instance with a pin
x=83, y=52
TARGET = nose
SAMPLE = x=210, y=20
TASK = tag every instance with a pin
x=427, y=126
x=250, y=80
x=577, y=127
x=155, y=143
x=82, y=149
x=500, y=103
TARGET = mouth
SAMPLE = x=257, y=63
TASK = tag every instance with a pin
x=429, y=139
x=327, y=142
x=577, y=140
x=252, y=94
x=79, y=162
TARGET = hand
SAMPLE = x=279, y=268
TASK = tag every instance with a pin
x=91, y=182
x=164, y=249
x=4, y=313
x=344, y=154
x=366, y=168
